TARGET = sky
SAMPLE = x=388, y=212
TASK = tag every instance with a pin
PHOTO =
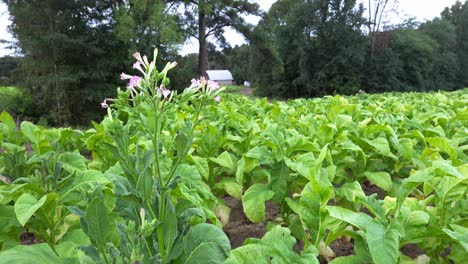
x=421, y=9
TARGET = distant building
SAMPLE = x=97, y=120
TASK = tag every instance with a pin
x=223, y=77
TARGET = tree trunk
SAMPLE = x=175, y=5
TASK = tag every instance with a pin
x=203, y=49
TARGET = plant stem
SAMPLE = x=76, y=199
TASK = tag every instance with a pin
x=162, y=205
x=105, y=256
x=182, y=155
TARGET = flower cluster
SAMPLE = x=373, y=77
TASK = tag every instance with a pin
x=141, y=85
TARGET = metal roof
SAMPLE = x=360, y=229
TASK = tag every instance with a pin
x=219, y=75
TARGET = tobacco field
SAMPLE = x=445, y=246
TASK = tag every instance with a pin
x=154, y=182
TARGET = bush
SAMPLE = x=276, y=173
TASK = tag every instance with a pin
x=14, y=101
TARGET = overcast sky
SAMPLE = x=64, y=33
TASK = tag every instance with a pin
x=421, y=9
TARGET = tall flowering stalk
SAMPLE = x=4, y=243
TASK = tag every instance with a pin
x=147, y=105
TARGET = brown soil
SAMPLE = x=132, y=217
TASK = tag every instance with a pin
x=241, y=228
x=28, y=238
x=342, y=247
x=412, y=250
x=370, y=189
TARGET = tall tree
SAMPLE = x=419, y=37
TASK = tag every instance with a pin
x=147, y=24
x=209, y=18
x=312, y=45
x=68, y=66
x=377, y=11
x=457, y=14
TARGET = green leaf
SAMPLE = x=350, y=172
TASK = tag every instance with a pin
x=6, y=119
x=145, y=185
x=232, y=188
x=279, y=180
x=459, y=234
x=346, y=260
x=253, y=202
x=26, y=206
x=101, y=228
x=73, y=161
x=418, y=218
x=250, y=253
x=37, y=254
x=406, y=148
x=381, y=145
x=359, y=220
x=225, y=160
x=383, y=243
x=202, y=166
x=443, y=145
x=381, y=179
x=205, y=243
x=240, y=171
x=276, y=246
x=8, y=218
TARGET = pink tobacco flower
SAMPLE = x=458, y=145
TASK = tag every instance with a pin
x=218, y=98
x=134, y=81
x=212, y=85
x=104, y=104
x=136, y=65
x=137, y=56
x=196, y=83
x=124, y=76
x=165, y=93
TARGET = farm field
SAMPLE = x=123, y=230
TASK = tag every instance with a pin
x=197, y=178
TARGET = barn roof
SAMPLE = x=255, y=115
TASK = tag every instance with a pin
x=219, y=75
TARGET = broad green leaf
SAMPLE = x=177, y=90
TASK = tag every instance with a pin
x=359, y=220
x=446, y=168
x=8, y=218
x=37, y=254
x=205, y=243
x=101, y=227
x=29, y=130
x=383, y=243
x=26, y=206
x=381, y=179
x=232, y=188
x=253, y=202
x=278, y=180
x=406, y=148
x=224, y=159
x=459, y=234
x=381, y=145
x=250, y=253
x=73, y=161
x=418, y=218
x=145, y=185
x=240, y=171
x=202, y=166
x=443, y=145
x=346, y=260
x=6, y=119
x=309, y=212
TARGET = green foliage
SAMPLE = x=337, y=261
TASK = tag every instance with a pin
x=14, y=101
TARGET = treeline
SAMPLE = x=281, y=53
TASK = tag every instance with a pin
x=315, y=48
x=72, y=52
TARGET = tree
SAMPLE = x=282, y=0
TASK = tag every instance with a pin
x=317, y=48
x=457, y=14
x=70, y=55
x=145, y=25
x=208, y=18
x=376, y=13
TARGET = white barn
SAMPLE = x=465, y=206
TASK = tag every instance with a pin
x=223, y=77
